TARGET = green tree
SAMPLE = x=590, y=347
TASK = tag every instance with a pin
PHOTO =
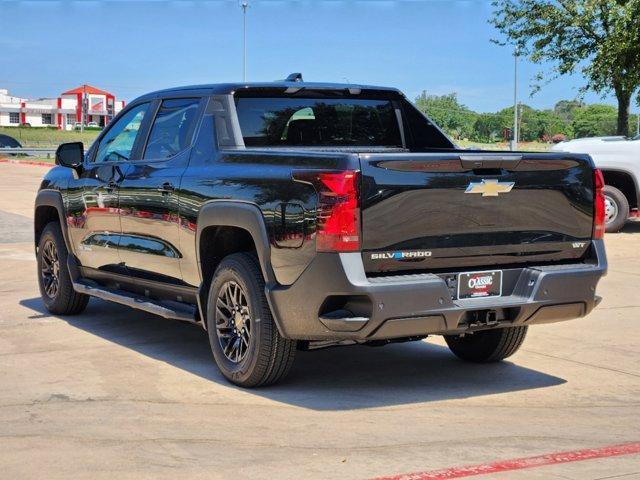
x=534, y=124
x=599, y=38
x=594, y=121
x=488, y=127
x=450, y=115
x=566, y=108
x=545, y=124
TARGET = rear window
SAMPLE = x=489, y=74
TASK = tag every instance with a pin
x=171, y=129
x=266, y=122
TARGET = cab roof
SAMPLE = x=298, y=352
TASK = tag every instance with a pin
x=230, y=88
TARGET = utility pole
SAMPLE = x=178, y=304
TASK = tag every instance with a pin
x=514, y=140
x=638, y=123
x=83, y=109
x=244, y=4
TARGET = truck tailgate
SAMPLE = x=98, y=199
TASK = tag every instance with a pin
x=426, y=211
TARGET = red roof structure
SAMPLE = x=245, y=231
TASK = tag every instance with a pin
x=86, y=89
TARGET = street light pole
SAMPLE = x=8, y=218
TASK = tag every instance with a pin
x=83, y=112
x=244, y=5
x=514, y=140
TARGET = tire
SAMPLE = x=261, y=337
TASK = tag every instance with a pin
x=487, y=345
x=246, y=345
x=52, y=268
x=617, y=206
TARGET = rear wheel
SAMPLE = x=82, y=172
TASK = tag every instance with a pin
x=487, y=345
x=616, y=209
x=54, y=280
x=245, y=341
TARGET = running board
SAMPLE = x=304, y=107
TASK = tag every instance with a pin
x=171, y=310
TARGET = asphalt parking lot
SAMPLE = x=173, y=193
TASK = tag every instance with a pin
x=115, y=393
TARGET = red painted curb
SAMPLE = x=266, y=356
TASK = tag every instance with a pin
x=26, y=162
x=521, y=463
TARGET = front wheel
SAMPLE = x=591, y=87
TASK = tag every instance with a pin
x=245, y=341
x=54, y=280
x=487, y=345
x=616, y=209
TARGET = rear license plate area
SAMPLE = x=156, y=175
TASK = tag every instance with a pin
x=480, y=284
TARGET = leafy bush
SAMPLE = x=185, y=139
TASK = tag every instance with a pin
x=568, y=119
x=450, y=115
x=488, y=127
x=595, y=121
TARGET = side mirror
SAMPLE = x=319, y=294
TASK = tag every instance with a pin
x=70, y=155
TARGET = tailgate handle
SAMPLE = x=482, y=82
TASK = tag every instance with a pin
x=478, y=162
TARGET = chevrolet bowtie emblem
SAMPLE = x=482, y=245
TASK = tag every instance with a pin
x=489, y=188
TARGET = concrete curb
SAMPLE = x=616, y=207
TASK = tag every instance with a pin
x=32, y=163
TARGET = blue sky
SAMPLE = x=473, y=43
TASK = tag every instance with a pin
x=131, y=48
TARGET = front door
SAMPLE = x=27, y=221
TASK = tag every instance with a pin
x=93, y=208
x=150, y=245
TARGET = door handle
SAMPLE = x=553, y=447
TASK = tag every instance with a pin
x=166, y=188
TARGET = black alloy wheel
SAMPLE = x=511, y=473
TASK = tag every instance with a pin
x=50, y=269
x=233, y=321
x=54, y=278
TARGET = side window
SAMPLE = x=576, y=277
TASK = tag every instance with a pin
x=172, y=127
x=118, y=142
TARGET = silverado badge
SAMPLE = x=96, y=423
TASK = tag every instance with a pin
x=489, y=188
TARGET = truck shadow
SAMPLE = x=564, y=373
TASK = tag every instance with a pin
x=630, y=227
x=343, y=378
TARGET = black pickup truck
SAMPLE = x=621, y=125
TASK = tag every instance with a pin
x=293, y=215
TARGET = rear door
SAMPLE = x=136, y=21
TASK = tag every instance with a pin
x=454, y=210
x=150, y=241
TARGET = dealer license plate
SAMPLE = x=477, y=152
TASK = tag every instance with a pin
x=480, y=284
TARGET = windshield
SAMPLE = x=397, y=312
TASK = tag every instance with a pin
x=266, y=122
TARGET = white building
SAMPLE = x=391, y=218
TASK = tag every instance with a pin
x=62, y=112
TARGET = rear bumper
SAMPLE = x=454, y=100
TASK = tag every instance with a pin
x=417, y=305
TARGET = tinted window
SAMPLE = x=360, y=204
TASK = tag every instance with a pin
x=117, y=143
x=317, y=122
x=424, y=134
x=171, y=129
x=7, y=141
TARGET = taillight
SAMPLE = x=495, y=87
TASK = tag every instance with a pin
x=338, y=227
x=598, y=205
x=338, y=213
